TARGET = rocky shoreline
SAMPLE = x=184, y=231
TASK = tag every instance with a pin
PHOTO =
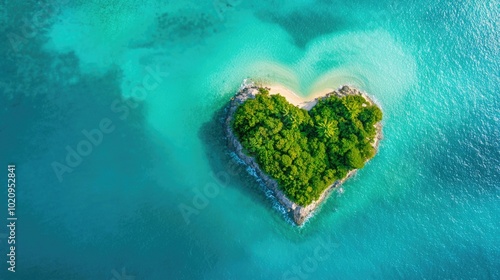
x=299, y=213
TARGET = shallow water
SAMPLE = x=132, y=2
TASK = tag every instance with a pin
x=426, y=206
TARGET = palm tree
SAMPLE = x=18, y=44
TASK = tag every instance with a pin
x=326, y=128
x=286, y=112
x=289, y=119
x=293, y=121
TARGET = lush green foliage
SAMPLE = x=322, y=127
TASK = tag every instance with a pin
x=307, y=151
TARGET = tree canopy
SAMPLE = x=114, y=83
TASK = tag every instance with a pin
x=306, y=151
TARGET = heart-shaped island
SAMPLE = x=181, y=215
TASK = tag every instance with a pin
x=303, y=151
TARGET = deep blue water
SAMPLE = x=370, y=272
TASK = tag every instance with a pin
x=156, y=76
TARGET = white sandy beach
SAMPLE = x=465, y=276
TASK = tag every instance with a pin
x=302, y=102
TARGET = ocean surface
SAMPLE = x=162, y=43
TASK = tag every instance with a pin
x=155, y=194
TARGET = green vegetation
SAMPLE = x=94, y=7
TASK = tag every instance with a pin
x=307, y=151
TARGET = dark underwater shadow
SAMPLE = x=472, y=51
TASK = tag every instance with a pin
x=306, y=24
x=120, y=187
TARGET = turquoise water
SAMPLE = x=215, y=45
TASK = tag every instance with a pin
x=427, y=206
